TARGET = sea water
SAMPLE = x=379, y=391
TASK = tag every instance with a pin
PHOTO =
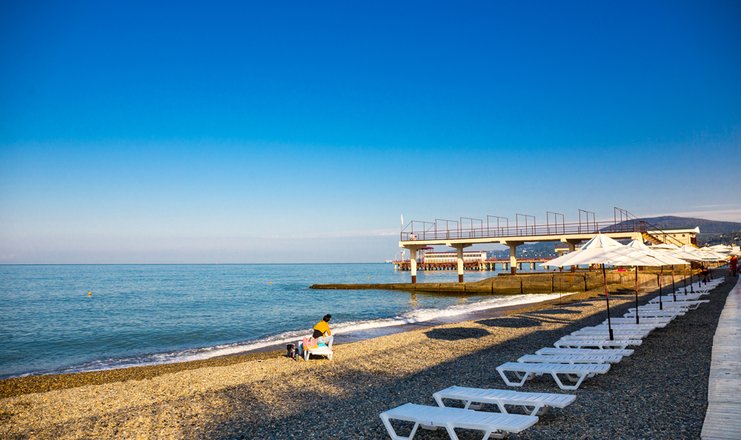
x=153, y=314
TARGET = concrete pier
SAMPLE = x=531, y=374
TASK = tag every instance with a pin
x=420, y=234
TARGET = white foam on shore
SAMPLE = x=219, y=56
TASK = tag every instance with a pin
x=412, y=317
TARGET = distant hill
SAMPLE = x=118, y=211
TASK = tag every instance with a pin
x=706, y=226
x=711, y=231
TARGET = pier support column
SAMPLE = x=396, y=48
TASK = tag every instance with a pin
x=459, y=260
x=459, y=257
x=413, y=264
x=513, y=255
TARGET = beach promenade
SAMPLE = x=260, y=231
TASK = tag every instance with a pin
x=658, y=392
x=723, y=418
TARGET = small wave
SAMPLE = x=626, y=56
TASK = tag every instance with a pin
x=425, y=315
x=349, y=327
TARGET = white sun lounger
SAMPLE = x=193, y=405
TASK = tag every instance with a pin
x=624, y=327
x=658, y=322
x=697, y=289
x=670, y=299
x=681, y=296
x=571, y=358
x=554, y=350
x=655, y=313
x=534, y=403
x=628, y=326
x=689, y=305
x=575, y=373
x=452, y=418
x=604, y=334
x=627, y=333
x=576, y=342
x=671, y=311
x=680, y=311
x=681, y=293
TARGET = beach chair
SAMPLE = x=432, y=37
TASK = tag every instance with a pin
x=571, y=358
x=655, y=313
x=490, y=423
x=679, y=304
x=601, y=343
x=321, y=349
x=631, y=325
x=681, y=311
x=658, y=322
x=554, y=350
x=604, y=334
x=681, y=298
x=622, y=326
x=617, y=331
x=696, y=288
x=532, y=403
x=574, y=373
x=671, y=305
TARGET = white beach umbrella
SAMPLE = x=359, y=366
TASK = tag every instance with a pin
x=684, y=255
x=641, y=256
x=720, y=249
x=604, y=250
x=662, y=256
x=673, y=251
x=691, y=253
x=586, y=253
x=719, y=256
x=701, y=255
x=687, y=256
x=665, y=246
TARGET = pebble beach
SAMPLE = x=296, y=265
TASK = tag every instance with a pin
x=659, y=392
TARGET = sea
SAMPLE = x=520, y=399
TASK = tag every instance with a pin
x=73, y=318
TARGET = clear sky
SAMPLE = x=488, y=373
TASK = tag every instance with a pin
x=300, y=131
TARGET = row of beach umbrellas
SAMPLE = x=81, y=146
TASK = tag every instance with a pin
x=605, y=251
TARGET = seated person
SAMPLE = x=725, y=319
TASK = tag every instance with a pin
x=322, y=331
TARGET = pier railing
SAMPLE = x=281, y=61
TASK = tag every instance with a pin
x=421, y=230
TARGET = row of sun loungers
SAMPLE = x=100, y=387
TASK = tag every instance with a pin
x=574, y=358
x=593, y=340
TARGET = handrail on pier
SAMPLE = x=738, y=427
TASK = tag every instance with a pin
x=525, y=226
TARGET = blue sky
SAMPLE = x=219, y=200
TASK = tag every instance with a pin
x=233, y=132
